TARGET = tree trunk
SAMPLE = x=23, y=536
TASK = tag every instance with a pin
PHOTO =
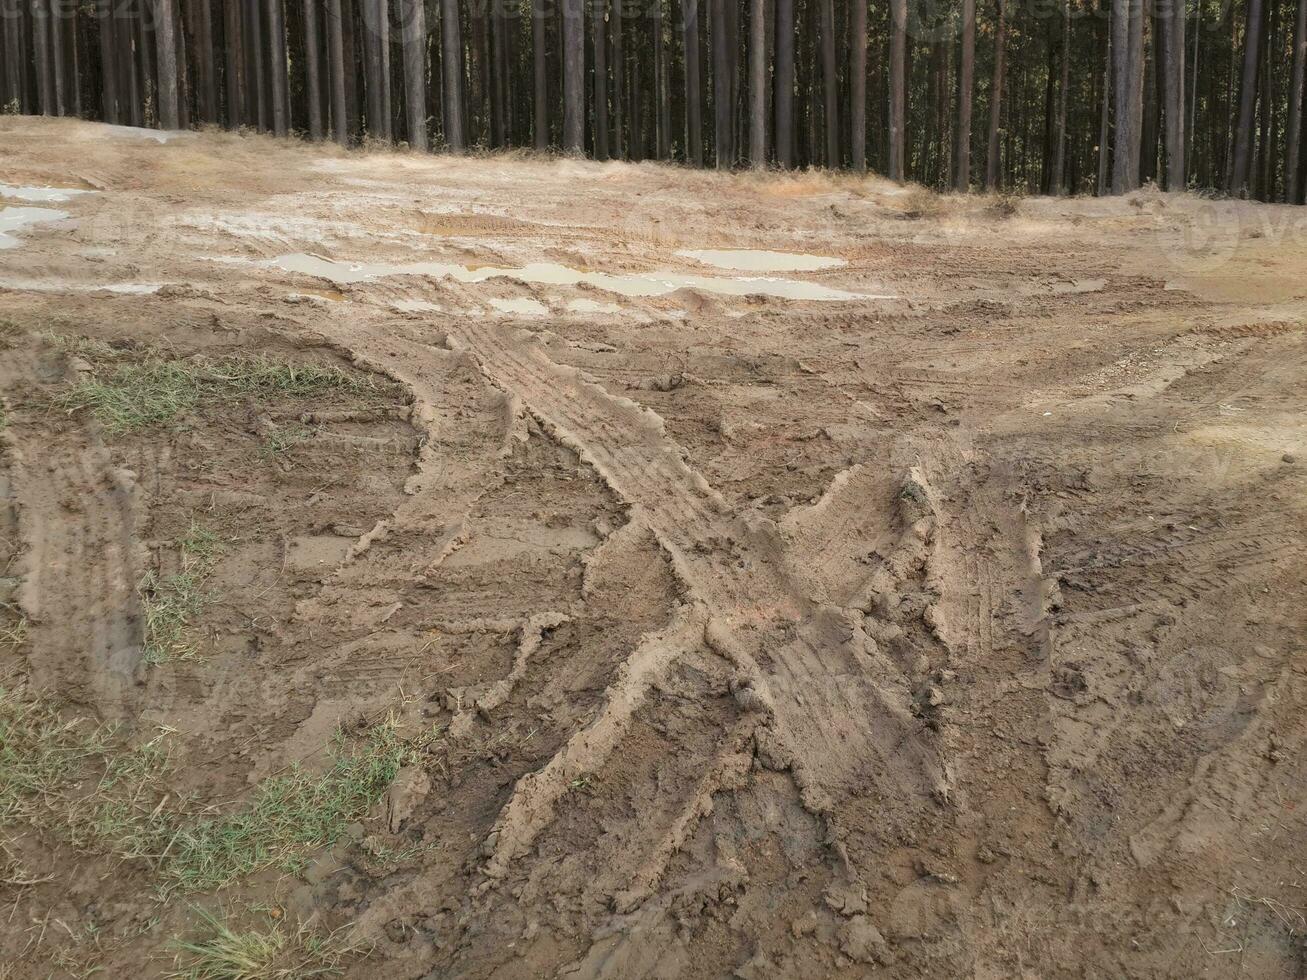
x=336, y=69
x=573, y=77
x=415, y=72
x=313, y=69
x=540, y=75
x=1292, y=176
x=165, y=37
x=44, y=64
x=451, y=65
x=59, y=66
x=233, y=70
x=1103, y=131
x=858, y=85
x=992, y=174
x=255, y=50
x=280, y=69
x=372, y=86
x=1244, y=133
x=966, y=88
x=758, y=83
x=599, y=33
x=615, y=33
x=693, y=76
x=721, y=87
x=206, y=74
x=1174, y=35
x=898, y=89
x=108, y=62
x=830, y=83
x=1059, y=157
x=662, y=100
x=783, y=94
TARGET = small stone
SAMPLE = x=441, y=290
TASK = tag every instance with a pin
x=1289, y=458
x=862, y=942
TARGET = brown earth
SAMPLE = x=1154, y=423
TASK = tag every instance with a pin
x=960, y=633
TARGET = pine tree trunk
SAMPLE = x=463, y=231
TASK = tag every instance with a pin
x=721, y=81
x=313, y=69
x=372, y=67
x=499, y=77
x=573, y=77
x=966, y=88
x=783, y=95
x=415, y=72
x=165, y=37
x=42, y=56
x=206, y=75
x=233, y=70
x=540, y=75
x=830, y=83
x=615, y=34
x=336, y=71
x=858, y=85
x=599, y=33
x=992, y=169
x=1059, y=157
x=1244, y=133
x=279, y=68
x=255, y=50
x=1174, y=33
x=758, y=83
x=662, y=100
x=898, y=89
x=58, y=60
x=451, y=65
x=693, y=77
x=1292, y=174
x=108, y=62
x=383, y=44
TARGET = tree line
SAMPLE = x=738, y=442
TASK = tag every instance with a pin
x=1033, y=96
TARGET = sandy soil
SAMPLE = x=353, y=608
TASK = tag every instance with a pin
x=956, y=631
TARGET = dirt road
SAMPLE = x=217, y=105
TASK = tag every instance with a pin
x=502, y=567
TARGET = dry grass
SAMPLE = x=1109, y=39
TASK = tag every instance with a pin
x=275, y=952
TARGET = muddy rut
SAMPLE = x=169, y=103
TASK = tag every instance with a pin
x=941, y=614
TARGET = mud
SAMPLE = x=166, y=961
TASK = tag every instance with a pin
x=936, y=610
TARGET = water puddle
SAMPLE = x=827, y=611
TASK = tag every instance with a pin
x=760, y=260
x=12, y=219
x=592, y=306
x=41, y=195
x=524, y=307
x=552, y=274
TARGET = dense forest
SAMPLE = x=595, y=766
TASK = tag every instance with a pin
x=1041, y=96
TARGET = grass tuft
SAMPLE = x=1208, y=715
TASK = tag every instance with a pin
x=275, y=953
x=172, y=602
x=157, y=391
x=78, y=781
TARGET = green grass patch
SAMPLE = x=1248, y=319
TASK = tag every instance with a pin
x=171, y=603
x=276, y=952
x=159, y=391
x=79, y=781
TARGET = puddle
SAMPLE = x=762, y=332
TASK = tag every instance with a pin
x=760, y=260
x=526, y=307
x=592, y=306
x=12, y=219
x=552, y=274
x=41, y=195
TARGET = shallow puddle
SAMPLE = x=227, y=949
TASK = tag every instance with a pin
x=592, y=306
x=12, y=219
x=525, y=307
x=41, y=195
x=553, y=274
x=760, y=260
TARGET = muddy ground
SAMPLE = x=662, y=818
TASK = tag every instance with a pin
x=940, y=612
